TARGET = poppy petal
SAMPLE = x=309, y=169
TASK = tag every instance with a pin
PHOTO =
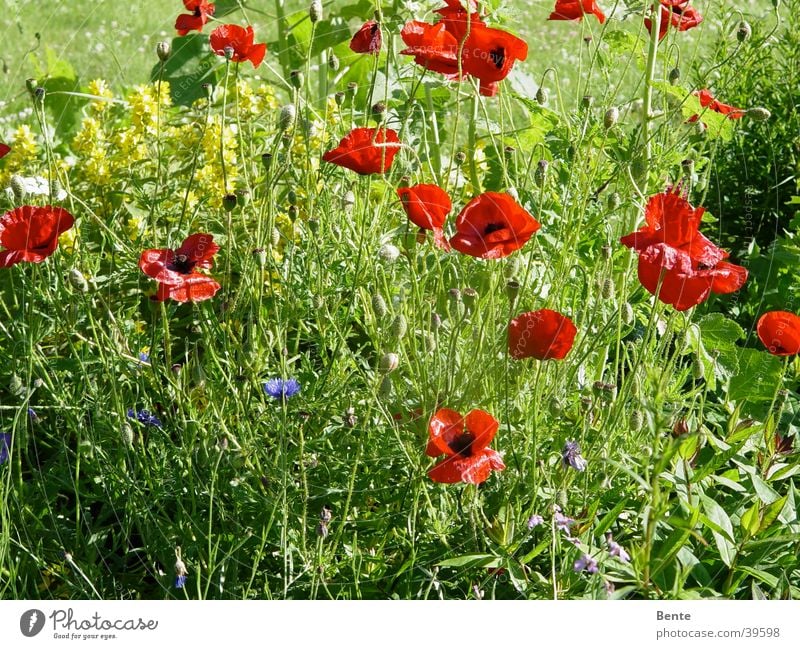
x=779, y=331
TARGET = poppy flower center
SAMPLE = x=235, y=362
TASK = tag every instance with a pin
x=182, y=264
x=462, y=444
x=197, y=12
x=493, y=227
x=498, y=56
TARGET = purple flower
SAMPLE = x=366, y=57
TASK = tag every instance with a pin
x=144, y=357
x=144, y=417
x=180, y=581
x=282, y=388
x=562, y=522
x=535, y=521
x=5, y=446
x=616, y=550
x=571, y=456
x=585, y=564
x=32, y=414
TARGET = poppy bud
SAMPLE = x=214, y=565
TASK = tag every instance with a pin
x=430, y=343
x=350, y=419
x=556, y=407
x=208, y=89
x=454, y=294
x=540, y=175
x=163, y=50
x=229, y=202
x=587, y=101
x=389, y=363
x=744, y=31
x=608, y=252
x=541, y=96
x=260, y=255
x=296, y=78
x=333, y=62
x=385, y=388
x=611, y=117
x=17, y=185
x=636, y=421
x=460, y=157
x=698, y=369
x=287, y=117
x=674, y=76
x=399, y=326
x=322, y=530
x=78, y=281
x=315, y=11
x=352, y=88
x=607, y=290
x=127, y=434
x=313, y=225
x=39, y=94
x=378, y=111
x=389, y=253
x=293, y=211
x=470, y=296
x=16, y=387
x=242, y=197
x=348, y=200
x=436, y=321
x=291, y=196
x=759, y=114
x=379, y=307
x=275, y=237
x=31, y=85
x=627, y=313
x=687, y=166
x=512, y=290
x=614, y=201
x=339, y=98
x=266, y=160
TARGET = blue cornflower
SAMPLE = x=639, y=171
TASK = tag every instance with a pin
x=571, y=456
x=144, y=417
x=32, y=414
x=5, y=445
x=180, y=581
x=282, y=388
x=144, y=357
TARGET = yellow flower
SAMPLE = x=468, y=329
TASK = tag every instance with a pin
x=99, y=88
x=69, y=240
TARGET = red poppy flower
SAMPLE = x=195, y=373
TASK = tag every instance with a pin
x=677, y=13
x=672, y=252
x=427, y=206
x=368, y=39
x=707, y=100
x=175, y=270
x=542, y=334
x=492, y=226
x=576, y=9
x=201, y=11
x=31, y=233
x=365, y=150
x=4, y=149
x=456, y=20
x=780, y=332
x=464, y=440
x=489, y=54
x=432, y=47
x=239, y=41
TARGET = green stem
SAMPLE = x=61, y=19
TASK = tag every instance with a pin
x=652, y=58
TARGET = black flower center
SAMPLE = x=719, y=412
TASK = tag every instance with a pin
x=462, y=444
x=182, y=264
x=197, y=12
x=493, y=227
x=498, y=56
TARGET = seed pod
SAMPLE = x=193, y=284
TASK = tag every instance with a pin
x=388, y=363
x=326, y=514
x=339, y=97
x=350, y=419
x=229, y=202
x=379, y=111
x=512, y=290
x=607, y=252
x=78, y=281
x=352, y=88
x=759, y=114
x=540, y=175
x=587, y=101
x=333, y=63
x=611, y=117
x=379, y=307
x=39, y=94
x=322, y=530
x=242, y=197
x=614, y=201
x=674, y=76
x=454, y=294
x=313, y=225
x=266, y=160
x=315, y=11
x=687, y=166
x=287, y=117
x=460, y=157
x=470, y=296
x=698, y=369
x=627, y=313
x=399, y=327
x=541, y=96
x=260, y=255
x=744, y=31
x=17, y=184
x=163, y=50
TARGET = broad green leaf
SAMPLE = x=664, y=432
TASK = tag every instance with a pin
x=751, y=519
x=718, y=332
x=765, y=493
x=759, y=374
x=721, y=529
x=771, y=513
x=472, y=561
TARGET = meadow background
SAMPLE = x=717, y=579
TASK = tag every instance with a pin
x=687, y=425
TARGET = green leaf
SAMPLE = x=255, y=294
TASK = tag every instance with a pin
x=718, y=332
x=757, y=377
x=190, y=65
x=721, y=528
x=472, y=561
x=718, y=126
x=771, y=513
x=751, y=520
x=765, y=493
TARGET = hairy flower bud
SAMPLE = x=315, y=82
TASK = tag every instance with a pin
x=333, y=63
x=399, y=327
x=744, y=31
x=611, y=117
x=541, y=96
x=287, y=117
x=540, y=175
x=759, y=114
x=388, y=363
x=229, y=202
x=78, y=281
x=315, y=11
x=379, y=307
x=389, y=253
x=674, y=76
x=163, y=50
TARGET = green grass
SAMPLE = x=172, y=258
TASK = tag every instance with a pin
x=676, y=413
